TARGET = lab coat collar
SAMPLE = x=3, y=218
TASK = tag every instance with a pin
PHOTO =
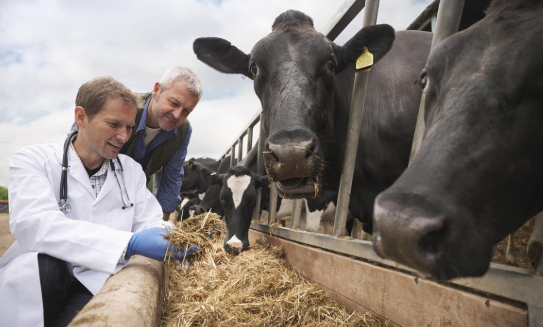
x=110, y=183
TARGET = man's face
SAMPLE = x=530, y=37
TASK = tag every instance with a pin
x=109, y=129
x=172, y=106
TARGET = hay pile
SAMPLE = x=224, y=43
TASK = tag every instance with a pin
x=255, y=288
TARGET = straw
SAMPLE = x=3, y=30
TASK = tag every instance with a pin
x=255, y=288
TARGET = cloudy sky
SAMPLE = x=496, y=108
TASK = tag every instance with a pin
x=48, y=48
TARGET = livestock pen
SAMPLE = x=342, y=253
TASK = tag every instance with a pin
x=349, y=270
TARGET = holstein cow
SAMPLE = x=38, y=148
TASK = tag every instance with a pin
x=238, y=198
x=478, y=175
x=304, y=82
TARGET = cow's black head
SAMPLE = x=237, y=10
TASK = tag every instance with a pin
x=238, y=199
x=479, y=173
x=294, y=70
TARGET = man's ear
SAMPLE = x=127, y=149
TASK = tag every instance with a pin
x=377, y=38
x=156, y=89
x=260, y=180
x=80, y=116
x=222, y=55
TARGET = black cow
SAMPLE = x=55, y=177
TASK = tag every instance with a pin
x=210, y=201
x=304, y=82
x=478, y=175
x=191, y=179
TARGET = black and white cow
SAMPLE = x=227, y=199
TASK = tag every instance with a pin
x=237, y=197
x=304, y=82
x=478, y=175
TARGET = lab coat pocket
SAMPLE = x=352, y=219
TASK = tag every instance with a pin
x=120, y=220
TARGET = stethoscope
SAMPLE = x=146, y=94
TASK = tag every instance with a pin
x=66, y=207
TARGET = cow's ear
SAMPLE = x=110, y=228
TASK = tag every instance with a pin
x=222, y=55
x=377, y=38
x=191, y=163
x=261, y=180
x=210, y=177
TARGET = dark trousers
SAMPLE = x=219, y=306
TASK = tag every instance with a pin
x=62, y=294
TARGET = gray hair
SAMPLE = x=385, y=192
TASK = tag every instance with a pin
x=181, y=73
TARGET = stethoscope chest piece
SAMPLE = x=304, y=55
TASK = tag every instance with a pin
x=65, y=207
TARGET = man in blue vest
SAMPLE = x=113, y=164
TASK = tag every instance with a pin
x=162, y=132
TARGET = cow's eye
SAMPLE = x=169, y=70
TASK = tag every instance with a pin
x=332, y=63
x=423, y=80
x=253, y=69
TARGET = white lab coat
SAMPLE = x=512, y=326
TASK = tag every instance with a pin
x=92, y=237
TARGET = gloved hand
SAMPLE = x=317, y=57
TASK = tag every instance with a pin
x=151, y=243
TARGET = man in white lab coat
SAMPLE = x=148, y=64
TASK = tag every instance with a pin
x=61, y=258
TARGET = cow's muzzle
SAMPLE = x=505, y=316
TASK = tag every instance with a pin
x=293, y=160
x=414, y=232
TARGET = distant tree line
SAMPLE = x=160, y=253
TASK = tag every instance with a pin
x=3, y=196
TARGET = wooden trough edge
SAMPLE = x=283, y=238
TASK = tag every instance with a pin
x=132, y=297
x=401, y=298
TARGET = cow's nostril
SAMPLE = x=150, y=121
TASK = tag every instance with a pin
x=270, y=156
x=430, y=244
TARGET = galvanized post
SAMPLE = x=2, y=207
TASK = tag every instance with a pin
x=249, y=139
x=272, y=214
x=353, y=132
x=296, y=213
x=448, y=21
x=260, y=167
x=233, y=155
x=240, y=149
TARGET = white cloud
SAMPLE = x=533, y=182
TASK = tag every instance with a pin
x=49, y=48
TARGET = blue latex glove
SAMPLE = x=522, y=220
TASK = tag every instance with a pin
x=151, y=243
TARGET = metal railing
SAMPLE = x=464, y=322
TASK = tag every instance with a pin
x=511, y=283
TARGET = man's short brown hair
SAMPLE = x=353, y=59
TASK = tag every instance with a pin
x=93, y=94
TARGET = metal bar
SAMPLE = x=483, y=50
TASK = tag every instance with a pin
x=296, y=213
x=251, y=124
x=370, y=16
x=249, y=139
x=342, y=18
x=509, y=282
x=260, y=167
x=233, y=155
x=272, y=214
x=448, y=21
x=353, y=132
x=421, y=22
x=240, y=149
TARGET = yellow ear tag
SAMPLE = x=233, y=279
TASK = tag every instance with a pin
x=365, y=61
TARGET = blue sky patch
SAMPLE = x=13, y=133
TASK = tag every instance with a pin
x=23, y=118
x=8, y=57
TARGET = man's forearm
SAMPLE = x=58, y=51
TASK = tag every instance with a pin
x=165, y=215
